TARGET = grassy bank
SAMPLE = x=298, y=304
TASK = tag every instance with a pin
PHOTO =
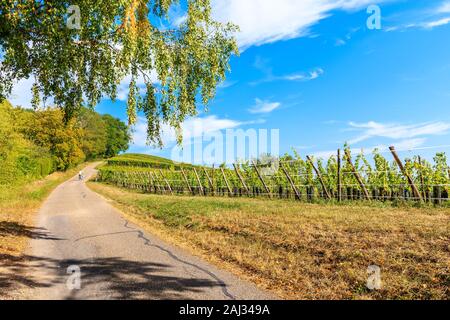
x=305, y=251
x=18, y=203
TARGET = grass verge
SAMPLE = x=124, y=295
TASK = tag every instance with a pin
x=305, y=251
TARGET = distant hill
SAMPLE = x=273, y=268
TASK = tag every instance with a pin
x=142, y=157
x=144, y=160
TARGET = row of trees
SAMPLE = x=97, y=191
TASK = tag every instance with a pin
x=36, y=143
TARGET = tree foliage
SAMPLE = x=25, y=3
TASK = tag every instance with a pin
x=49, y=130
x=6, y=130
x=116, y=39
x=94, y=133
x=33, y=144
x=19, y=157
x=117, y=136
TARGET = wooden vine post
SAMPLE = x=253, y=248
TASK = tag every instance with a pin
x=142, y=176
x=209, y=180
x=408, y=177
x=155, y=182
x=167, y=182
x=186, y=180
x=320, y=177
x=240, y=178
x=357, y=176
x=262, y=180
x=291, y=182
x=199, y=182
x=152, y=180
x=422, y=181
x=226, y=181
x=149, y=186
x=339, y=176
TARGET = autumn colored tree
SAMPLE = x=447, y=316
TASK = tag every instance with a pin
x=71, y=59
x=49, y=130
x=20, y=158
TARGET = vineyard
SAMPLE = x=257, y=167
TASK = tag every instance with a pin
x=343, y=177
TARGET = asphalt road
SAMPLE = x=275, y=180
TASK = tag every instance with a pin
x=85, y=243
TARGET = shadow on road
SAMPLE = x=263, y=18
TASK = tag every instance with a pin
x=111, y=278
x=8, y=228
x=13, y=274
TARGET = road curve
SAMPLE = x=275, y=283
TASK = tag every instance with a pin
x=79, y=230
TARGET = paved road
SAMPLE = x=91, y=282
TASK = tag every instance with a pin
x=79, y=229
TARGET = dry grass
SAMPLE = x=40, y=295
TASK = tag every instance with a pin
x=17, y=207
x=305, y=251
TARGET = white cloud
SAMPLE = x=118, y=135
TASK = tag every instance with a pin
x=268, y=21
x=436, y=23
x=437, y=16
x=444, y=8
x=21, y=94
x=403, y=137
x=343, y=41
x=196, y=127
x=403, y=145
x=315, y=74
x=139, y=138
x=192, y=128
x=264, y=106
x=312, y=75
x=123, y=87
x=177, y=21
x=264, y=66
x=409, y=144
x=395, y=131
x=226, y=84
x=340, y=43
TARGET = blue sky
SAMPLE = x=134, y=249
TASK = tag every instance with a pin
x=313, y=70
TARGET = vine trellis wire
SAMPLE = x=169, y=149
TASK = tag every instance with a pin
x=342, y=177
